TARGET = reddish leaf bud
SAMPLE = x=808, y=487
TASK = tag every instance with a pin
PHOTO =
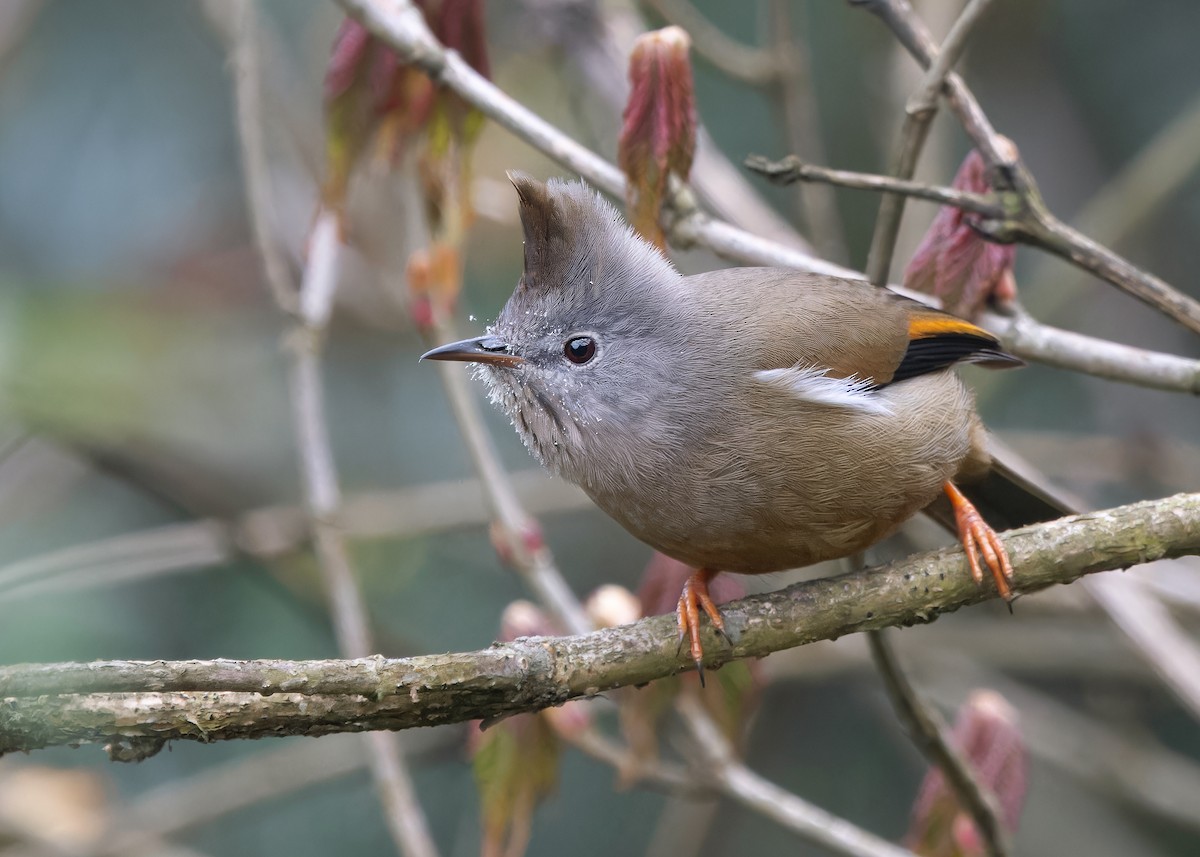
x=658, y=137
x=954, y=262
x=368, y=88
x=987, y=735
x=459, y=25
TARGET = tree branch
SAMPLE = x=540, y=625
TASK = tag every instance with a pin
x=918, y=116
x=131, y=703
x=1029, y=220
x=932, y=736
x=792, y=169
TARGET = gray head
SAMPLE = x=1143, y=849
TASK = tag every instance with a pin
x=588, y=347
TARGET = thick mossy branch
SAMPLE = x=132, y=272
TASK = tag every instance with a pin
x=131, y=704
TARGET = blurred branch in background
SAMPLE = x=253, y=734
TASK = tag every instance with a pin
x=311, y=313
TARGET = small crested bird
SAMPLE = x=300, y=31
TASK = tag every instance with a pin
x=745, y=420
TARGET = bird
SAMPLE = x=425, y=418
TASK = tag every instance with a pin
x=743, y=420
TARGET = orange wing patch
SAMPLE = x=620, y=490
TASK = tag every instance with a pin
x=925, y=325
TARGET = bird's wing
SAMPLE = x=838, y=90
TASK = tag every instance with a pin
x=843, y=328
x=937, y=340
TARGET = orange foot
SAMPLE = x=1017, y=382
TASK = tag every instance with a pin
x=980, y=539
x=692, y=600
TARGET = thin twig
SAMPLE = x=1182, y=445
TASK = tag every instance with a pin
x=929, y=732
x=1032, y=340
x=792, y=169
x=1029, y=220
x=652, y=772
x=918, y=117
x=748, y=64
x=402, y=812
x=912, y=33
x=741, y=784
x=401, y=26
x=1127, y=200
x=256, y=173
x=1169, y=650
x=523, y=545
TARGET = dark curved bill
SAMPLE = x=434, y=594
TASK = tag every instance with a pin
x=481, y=349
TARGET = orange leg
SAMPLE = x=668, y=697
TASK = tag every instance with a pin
x=692, y=600
x=979, y=539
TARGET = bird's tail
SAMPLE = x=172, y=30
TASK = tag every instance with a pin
x=1011, y=495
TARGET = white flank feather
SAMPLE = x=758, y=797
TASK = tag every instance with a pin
x=815, y=385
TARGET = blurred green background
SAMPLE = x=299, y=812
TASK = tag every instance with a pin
x=142, y=385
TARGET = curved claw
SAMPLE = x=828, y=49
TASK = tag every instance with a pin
x=694, y=598
x=980, y=540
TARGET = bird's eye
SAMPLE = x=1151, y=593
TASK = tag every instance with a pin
x=580, y=350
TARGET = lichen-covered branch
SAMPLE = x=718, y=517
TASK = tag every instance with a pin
x=143, y=704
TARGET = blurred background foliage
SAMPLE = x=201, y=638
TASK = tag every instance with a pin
x=142, y=385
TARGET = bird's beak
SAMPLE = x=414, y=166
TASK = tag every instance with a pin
x=482, y=349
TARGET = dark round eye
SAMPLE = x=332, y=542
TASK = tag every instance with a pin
x=580, y=350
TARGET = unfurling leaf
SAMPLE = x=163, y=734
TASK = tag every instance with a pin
x=957, y=264
x=516, y=765
x=987, y=735
x=733, y=690
x=516, y=760
x=370, y=93
x=658, y=137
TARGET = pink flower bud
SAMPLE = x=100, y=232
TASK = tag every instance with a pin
x=612, y=605
x=956, y=263
x=658, y=137
x=987, y=735
x=523, y=618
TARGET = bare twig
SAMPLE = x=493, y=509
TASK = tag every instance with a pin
x=1032, y=340
x=792, y=169
x=224, y=699
x=523, y=545
x=651, y=772
x=741, y=784
x=406, y=820
x=1112, y=759
x=918, y=116
x=911, y=32
x=271, y=532
x=256, y=172
x=1006, y=217
x=930, y=732
x=401, y=26
x=1028, y=219
x=1125, y=202
x=1164, y=645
